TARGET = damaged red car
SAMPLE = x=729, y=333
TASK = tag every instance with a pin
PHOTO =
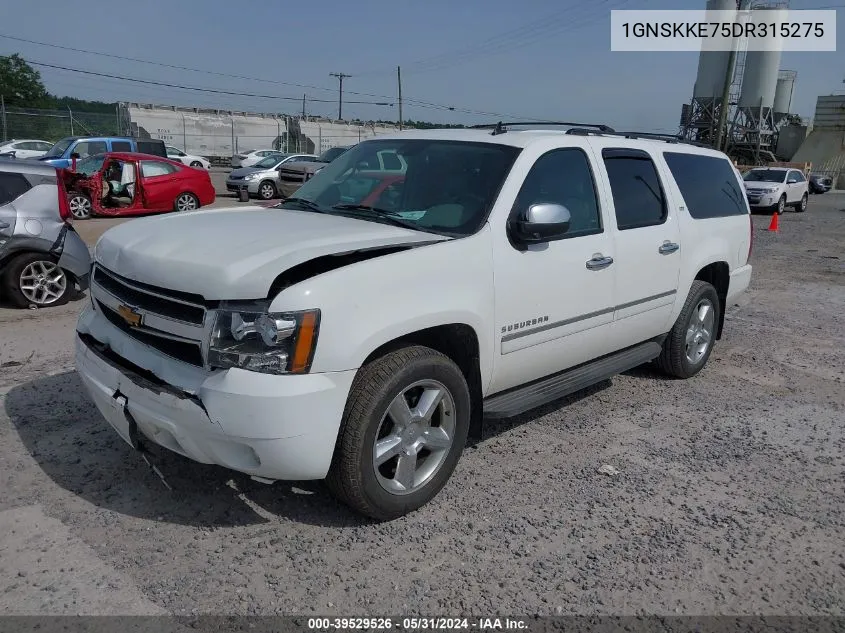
x=123, y=183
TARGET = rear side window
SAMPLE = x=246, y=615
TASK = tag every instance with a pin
x=637, y=194
x=121, y=146
x=152, y=147
x=12, y=186
x=89, y=148
x=708, y=185
x=152, y=168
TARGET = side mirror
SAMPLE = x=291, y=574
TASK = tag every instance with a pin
x=75, y=155
x=542, y=223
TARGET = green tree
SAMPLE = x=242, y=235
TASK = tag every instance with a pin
x=20, y=83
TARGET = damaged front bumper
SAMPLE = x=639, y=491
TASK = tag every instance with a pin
x=273, y=427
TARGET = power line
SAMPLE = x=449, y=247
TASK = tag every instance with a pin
x=194, y=88
x=525, y=35
x=411, y=101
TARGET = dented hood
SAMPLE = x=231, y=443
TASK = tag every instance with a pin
x=236, y=253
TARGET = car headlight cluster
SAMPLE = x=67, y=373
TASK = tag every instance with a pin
x=251, y=338
x=251, y=176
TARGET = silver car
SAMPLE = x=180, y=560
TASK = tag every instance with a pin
x=262, y=179
x=42, y=258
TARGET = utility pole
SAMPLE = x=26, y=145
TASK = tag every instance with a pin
x=340, y=77
x=399, y=79
x=303, y=106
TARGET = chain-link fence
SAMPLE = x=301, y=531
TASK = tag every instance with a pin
x=214, y=134
x=52, y=125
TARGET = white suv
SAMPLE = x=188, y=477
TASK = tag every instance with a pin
x=358, y=331
x=776, y=188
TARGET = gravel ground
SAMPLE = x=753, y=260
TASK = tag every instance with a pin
x=729, y=497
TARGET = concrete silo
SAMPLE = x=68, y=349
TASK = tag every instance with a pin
x=783, y=94
x=700, y=117
x=753, y=131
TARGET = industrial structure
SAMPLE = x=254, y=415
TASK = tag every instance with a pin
x=741, y=98
x=218, y=134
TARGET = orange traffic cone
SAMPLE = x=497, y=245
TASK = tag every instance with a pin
x=773, y=225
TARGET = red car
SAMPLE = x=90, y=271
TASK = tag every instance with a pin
x=124, y=183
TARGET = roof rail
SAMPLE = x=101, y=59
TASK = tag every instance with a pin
x=501, y=127
x=667, y=138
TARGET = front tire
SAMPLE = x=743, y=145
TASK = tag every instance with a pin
x=690, y=342
x=801, y=205
x=34, y=279
x=781, y=205
x=267, y=190
x=196, y=163
x=403, y=430
x=80, y=205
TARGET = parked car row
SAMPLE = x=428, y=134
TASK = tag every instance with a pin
x=262, y=178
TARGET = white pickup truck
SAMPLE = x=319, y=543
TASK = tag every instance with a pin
x=358, y=331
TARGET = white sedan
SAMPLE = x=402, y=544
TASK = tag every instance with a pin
x=250, y=157
x=174, y=153
x=25, y=148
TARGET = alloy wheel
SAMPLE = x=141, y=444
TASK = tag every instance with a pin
x=42, y=282
x=414, y=437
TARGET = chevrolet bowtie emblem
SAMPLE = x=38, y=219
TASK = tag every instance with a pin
x=130, y=315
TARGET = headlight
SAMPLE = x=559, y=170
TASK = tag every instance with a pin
x=257, y=340
x=250, y=176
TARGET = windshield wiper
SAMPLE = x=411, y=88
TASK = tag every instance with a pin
x=382, y=214
x=309, y=205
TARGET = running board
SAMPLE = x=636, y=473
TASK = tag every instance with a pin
x=536, y=394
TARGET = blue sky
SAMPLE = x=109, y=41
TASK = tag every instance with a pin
x=468, y=54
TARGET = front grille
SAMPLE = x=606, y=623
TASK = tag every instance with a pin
x=169, y=321
x=186, y=351
x=140, y=296
x=236, y=177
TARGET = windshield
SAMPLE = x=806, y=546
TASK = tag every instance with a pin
x=90, y=165
x=59, y=148
x=270, y=161
x=765, y=175
x=330, y=154
x=444, y=187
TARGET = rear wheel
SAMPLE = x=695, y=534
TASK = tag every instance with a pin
x=80, y=205
x=267, y=190
x=34, y=279
x=689, y=343
x=801, y=205
x=402, y=433
x=186, y=202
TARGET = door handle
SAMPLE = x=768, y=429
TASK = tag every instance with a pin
x=668, y=247
x=599, y=262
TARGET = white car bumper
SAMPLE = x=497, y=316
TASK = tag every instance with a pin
x=275, y=427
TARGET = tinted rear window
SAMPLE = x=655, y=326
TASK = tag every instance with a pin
x=12, y=186
x=121, y=146
x=708, y=184
x=156, y=148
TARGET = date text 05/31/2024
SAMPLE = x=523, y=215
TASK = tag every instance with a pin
x=417, y=624
x=709, y=30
